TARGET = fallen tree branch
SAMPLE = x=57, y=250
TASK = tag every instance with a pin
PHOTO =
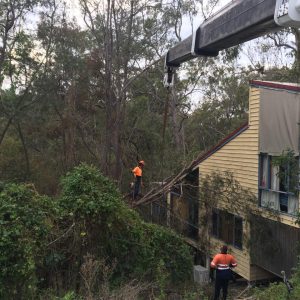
x=64, y=234
x=167, y=184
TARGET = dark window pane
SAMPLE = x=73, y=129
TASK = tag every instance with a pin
x=283, y=200
x=238, y=232
x=226, y=227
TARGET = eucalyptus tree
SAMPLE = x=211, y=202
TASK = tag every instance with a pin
x=129, y=37
x=12, y=16
x=14, y=46
x=18, y=67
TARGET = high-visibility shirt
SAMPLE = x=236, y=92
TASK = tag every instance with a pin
x=223, y=261
x=137, y=171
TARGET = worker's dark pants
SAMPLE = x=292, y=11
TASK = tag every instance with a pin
x=137, y=186
x=222, y=279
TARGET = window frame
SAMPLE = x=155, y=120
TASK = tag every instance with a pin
x=230, y=221
x=240, y=245
x=282, y=207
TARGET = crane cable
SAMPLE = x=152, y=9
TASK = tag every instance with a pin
x=166, y=110
x=165, y=119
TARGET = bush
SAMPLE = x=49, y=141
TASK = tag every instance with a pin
x=275, y=291
x=86, y=193
x=89, y=218
x=109, y=229
x=22, y=239
x=167, y=246
x=278, y=291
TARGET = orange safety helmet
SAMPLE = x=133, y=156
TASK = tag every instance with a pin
x=141, y=162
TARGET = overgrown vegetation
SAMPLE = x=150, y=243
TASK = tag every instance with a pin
x=223, y=191
x=288, y=170
x=24, y=226
x=66, y=243
x=279, y=291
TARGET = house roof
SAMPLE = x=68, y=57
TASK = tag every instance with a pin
x=295, y=87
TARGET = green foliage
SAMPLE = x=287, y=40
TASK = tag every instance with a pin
x=69, y=296
x=86, y=193
x=106, y=228
x=175, y=257
x=288, y=172
x=279, y=291
x=88, y=217
x=223, y=188
x=22, y=238
x=11, y=160
x=223, y=109
x=162, y=278
x=276, y=291
x=191, y=295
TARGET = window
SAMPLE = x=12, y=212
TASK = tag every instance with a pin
x=283, y=202
x=228, y=228
x=275, y=186
x=264, y=171
x=238, y=232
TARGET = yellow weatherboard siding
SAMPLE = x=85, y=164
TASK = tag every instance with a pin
x=240, y=156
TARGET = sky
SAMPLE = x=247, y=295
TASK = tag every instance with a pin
x=247, y=57
x=197, y=21
x=74, y=12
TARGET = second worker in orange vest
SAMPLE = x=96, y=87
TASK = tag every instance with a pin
x=137, y=172
x=223, y=263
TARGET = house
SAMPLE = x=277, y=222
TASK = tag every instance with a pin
x=263, y=234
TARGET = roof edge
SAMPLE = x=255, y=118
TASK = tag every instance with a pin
x=280, y=86
x=222, y=143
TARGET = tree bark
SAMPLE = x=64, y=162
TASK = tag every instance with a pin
x=27, y=174
x=70, y=128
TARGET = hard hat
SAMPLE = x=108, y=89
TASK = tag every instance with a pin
x=141, y=162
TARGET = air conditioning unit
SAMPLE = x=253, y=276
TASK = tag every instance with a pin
x=201, y=274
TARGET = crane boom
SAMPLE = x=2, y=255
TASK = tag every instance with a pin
x=238, y=22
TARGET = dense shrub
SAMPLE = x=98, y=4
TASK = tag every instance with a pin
x=170, y=249
x=86, y=193
x=43, y=241
x=109, y=229
x=279, y=291
x=23, y=233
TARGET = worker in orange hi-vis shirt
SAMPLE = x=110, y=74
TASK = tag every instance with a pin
x=223, y=263
x=138, y=172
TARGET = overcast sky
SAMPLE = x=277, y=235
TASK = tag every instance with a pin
x=187, y=27
x=74, y=12
x=245, y=59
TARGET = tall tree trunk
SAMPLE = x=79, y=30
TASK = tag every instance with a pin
x=70, y=128
x=27, y=173
x=109, y=99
